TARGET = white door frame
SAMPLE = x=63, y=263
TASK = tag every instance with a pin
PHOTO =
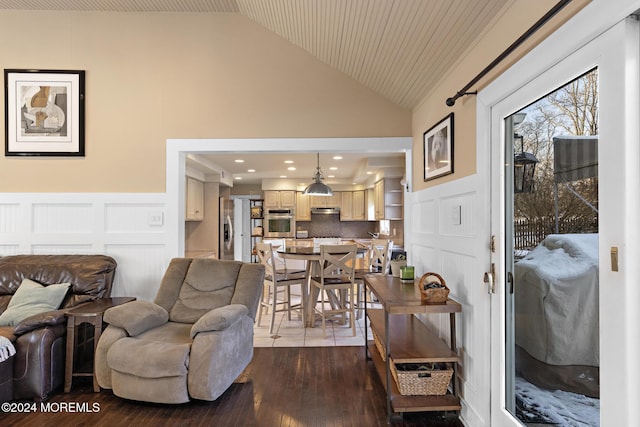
x=595, y=37
x=178, y=149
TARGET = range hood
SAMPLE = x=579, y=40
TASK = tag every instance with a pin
x=326, y=211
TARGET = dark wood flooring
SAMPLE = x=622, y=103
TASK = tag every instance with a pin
x=287, y=387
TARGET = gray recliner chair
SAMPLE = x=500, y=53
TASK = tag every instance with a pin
x=192, y=342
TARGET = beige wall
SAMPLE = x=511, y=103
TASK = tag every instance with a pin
x=150, y=77
x=514, y=21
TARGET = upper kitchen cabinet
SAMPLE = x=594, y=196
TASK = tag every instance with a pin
x=354, y=206
x=303, y=207
x=195, y=200
x=388, y=199
x=326, y=201
x=279, y=199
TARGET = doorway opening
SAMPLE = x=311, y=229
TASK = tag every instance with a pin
x=552, y=301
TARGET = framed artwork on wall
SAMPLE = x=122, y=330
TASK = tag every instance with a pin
x=44, y=112
x=438, y=149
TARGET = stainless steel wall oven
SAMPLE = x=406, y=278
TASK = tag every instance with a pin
x=280, y=223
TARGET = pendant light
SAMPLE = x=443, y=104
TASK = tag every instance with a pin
x=317, y=188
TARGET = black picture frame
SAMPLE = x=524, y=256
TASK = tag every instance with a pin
x=438, y=149
x=44, y=112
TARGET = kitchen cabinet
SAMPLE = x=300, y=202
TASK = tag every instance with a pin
x=279, y=199
x=346, y=208
x=378, y=199
x=195, y=200
x=326, y=201
x=388, y=199
x=353, y=206
x=303, y=207
x=405, y=339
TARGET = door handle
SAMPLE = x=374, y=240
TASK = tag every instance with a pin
x=489, y=279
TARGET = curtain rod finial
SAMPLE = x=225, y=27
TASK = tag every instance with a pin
x=451, y=101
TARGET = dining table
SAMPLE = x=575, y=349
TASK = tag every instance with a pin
x=311, y=256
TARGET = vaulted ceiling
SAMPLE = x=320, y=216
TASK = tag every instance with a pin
x=398, y=48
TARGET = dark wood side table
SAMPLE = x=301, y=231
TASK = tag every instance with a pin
x=90, y=313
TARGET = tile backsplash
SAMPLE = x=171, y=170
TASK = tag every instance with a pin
x=331, y=226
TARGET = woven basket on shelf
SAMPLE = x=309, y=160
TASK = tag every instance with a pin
x=433, y=295
x=421, y=382
x=380, y=346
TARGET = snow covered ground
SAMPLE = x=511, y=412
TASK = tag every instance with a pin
x=559, y=407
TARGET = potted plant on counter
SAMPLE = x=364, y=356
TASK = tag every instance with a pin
x=397, y=262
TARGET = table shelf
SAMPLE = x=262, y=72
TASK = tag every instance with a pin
x=408, y=340
x=401, y=403
x=411, y=341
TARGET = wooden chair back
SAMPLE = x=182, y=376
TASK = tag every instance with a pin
x=380, y=255
x=338, y=261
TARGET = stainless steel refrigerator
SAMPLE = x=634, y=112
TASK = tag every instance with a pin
x=225, y=246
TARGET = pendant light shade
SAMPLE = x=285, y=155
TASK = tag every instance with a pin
x=317, y=188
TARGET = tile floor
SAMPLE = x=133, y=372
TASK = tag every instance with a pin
x=292, y=334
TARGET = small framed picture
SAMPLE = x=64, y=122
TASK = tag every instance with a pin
x=438, y=149
x=256, y=212
x=44, y=112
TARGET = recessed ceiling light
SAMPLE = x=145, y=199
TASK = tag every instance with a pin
x=337, y=157
x=288, y=161
x=251, y=170
x=333, y=168
x=239, y=161
x=283, y=176
x=331, y=176
x=369, y=173
x=354, y=183
x=238, y=178
x=291, y=168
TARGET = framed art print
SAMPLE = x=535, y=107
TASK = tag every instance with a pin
x=44, y=112
x=438, y=149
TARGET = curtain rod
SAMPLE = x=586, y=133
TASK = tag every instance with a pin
x=535, y=27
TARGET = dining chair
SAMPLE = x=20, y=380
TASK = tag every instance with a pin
x=377, y=260
x=275, y=281
x=337, y=268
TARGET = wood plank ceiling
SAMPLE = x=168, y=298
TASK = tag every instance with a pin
x=398, y=48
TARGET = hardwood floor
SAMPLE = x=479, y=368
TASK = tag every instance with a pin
x=286, y=386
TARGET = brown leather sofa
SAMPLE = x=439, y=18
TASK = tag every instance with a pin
x=39, y=340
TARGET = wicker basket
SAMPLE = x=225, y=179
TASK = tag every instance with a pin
x=380, y=346
x=412, y=381
x=433, y=295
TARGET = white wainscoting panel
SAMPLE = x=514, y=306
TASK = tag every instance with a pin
x=424, y=217
x=133, y=277
x=127, y=218
x=442, y=235
x=9, y=213
x=59, y=218
x=61, y=249
x=9, y=249
x=457, y=215
x=130, y=227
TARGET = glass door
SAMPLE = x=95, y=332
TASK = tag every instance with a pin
x=550, y=266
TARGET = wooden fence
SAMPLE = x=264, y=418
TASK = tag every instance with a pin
x=528, y=233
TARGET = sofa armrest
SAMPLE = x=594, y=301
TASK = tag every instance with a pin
x=219, y=318
x=136, y=316
x=40, y=320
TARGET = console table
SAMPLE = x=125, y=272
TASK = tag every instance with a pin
x=90, y=313
x=407, y=340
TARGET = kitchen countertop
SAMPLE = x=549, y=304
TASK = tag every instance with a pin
x=360, y=241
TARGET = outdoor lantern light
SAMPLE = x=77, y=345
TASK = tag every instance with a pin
x=524, y=167
x=317, y=188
